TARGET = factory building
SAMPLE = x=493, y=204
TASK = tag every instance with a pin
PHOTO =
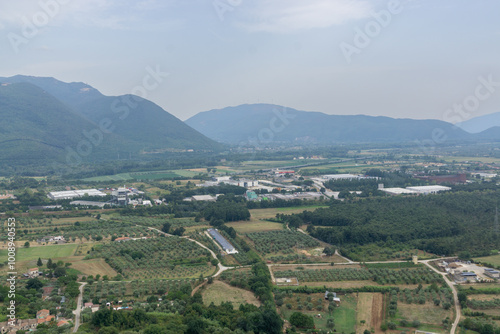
x=428, y=189
x=70, y=194
x=120, y=196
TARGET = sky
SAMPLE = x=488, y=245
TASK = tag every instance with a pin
x=422, y=59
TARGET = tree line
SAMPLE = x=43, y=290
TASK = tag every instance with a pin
x=443, y=224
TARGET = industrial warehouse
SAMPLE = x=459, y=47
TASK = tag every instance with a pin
x=226, y=245
x=70, y=194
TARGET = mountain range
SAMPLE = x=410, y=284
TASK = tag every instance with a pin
x=44, y=118
x=480, y=123
x=267, y=123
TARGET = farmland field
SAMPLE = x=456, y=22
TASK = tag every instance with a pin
x=271, y=212
x=357, y=284
x=494, y=260
x=219, y=292
x=281, y=241
x=377, y=311
x=482, y=297
x=364, y=308
x=27, y=257
x=425, y=313
x=254, y=226
x=81, y=227
x=478, y=158
x=158, y=221
x=381, y=276
x=161, y=257
x=263, y=164
x=151, y=175
x=44, y=252
x=138, y=289
x=93, y=267
x=315, y=304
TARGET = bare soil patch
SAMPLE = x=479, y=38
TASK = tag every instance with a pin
x=377, y=311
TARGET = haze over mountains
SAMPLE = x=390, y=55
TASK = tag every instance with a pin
x=46, y=119
x=266, y=123
x=43, y=118
x=480, y=123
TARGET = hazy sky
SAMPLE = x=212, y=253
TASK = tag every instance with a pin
x=413, y=59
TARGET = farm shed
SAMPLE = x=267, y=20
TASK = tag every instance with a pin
x=226, y=245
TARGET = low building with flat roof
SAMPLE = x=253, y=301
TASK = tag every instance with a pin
x=226, y=245
x=70, y=194
x=429, y=189
x=397, y=191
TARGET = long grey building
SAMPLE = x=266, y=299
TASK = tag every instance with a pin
x=226, y=245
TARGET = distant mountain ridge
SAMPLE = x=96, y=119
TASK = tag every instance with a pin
x=277, y=124
x=62, y=118
x=480, y=123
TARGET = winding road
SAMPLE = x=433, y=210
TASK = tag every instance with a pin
x=78, y=307
x=222, y=268
x=219, y=265
x=453, y=289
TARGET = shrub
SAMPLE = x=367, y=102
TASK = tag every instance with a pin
x=301, y=320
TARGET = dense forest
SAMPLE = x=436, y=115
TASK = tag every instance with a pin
x=443, y=224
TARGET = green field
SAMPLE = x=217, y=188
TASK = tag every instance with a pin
x=254, y=226
x=44, y=252
x=266, y=164
x=150, y=175
x=344, y=315
x=494, y=259
x=271, y=212
x=469, y=159
x=220, y=292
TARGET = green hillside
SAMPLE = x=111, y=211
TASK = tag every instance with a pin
x=47, y=121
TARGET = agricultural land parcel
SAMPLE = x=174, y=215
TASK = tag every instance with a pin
x=152, y=175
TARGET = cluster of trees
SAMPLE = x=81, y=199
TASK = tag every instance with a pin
x=58, y=268
x=480, y=326
x=222, y=188
x=261, y=284
x=167, y=228
x=442, y=224
x=226, y=211
x=258, y=281
x=19, y=182
x=29, y=292
x=190, y=316
x=301, y=320
x=279, y=203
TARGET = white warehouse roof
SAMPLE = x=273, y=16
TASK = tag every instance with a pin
x=397, y=191
x=429, y=189
x=69, y=194
x=204, y=198
x=341, y=176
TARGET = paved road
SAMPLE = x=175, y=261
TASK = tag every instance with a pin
x=338, y=254
x=224, y=268
x=453, y=289
x=78, y=307
x=220, y=266
x=426, y=262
